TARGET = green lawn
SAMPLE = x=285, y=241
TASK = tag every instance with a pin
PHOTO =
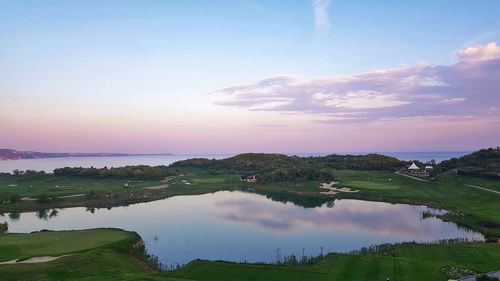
x=99, y=254
x=20, y=245
x=61, y=185
x=410, y=262
x=102, y=192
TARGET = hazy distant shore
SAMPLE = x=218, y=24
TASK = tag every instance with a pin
x=10, y=154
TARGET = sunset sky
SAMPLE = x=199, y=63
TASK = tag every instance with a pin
x=241, y=75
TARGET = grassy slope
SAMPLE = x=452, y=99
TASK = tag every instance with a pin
x=99, y=254
x=410, y=262
x=17, y=245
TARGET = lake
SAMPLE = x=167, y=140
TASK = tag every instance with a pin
x=239, y=226
x=49, y=164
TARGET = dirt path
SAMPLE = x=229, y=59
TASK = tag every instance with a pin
x=485, y=189
x=411, y=177
x=34, y=260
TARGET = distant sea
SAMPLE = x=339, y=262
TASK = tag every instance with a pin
x=49, y=164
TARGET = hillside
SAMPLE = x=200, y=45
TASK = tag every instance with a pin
x=279, y=167
x=483, y=163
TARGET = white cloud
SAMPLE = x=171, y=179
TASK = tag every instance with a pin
x=467, y=88
x=454, y=100
x=321, y=18
x=364, y=100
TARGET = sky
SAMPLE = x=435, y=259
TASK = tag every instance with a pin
x=249, y=76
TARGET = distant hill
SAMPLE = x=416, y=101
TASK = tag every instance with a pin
x=11, y=154
x=483, y=163
x=278, y=167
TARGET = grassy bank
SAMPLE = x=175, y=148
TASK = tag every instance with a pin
x=94, y=254
x=110, y=254
x=35, y=192
x=476, y=209
x=408, y=262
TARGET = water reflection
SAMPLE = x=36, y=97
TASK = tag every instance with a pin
x=241, y=226
x=14, y=216
x=352, y=215
x=45, y=214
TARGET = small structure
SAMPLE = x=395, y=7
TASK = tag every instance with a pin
x=428, y=169
x=413, y=168
x=249, y=179
x=125, y=185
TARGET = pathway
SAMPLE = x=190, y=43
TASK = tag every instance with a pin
x=485, y=189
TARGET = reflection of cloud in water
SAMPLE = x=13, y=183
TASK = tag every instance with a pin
x=373, y=217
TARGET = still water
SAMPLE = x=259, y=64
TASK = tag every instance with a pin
x=238, y=226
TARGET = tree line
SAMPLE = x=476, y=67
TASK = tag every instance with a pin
x=141, y=172
x=484, y=163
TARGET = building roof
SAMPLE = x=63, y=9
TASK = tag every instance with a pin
x=429, y=167
x=413, y=167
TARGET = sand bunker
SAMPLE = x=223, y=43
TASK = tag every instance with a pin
x=70, y=196
x=334, y=190
x=156, y=186
x=33, y=260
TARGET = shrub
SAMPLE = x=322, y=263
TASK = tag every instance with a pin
x=3, y=227
x=14, y=198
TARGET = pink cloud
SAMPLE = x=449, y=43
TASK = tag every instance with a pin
x=486, y=52
x=470, y=87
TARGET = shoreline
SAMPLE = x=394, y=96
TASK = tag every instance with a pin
x=111, y=202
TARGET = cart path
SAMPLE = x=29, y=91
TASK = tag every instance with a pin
x=485, y=189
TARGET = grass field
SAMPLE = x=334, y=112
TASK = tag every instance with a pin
x=410, y=262
x=22, y=246
x=57, y=186
x=98, y=254
x=106, y=254
x=101, y=192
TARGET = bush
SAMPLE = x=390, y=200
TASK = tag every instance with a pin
x=14, y=198
x=3, y=227
x=8, y=197
x=44, y=198
x=91, y=194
